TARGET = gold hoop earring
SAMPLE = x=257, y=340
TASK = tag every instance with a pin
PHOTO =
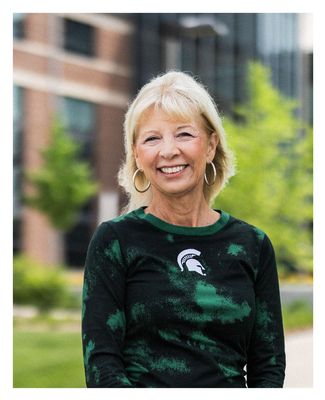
x=214, y=175
x=133, y=178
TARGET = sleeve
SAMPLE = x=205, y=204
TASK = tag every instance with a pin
x=103, y=317
x=266, y=355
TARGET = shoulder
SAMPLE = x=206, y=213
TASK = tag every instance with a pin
x=254, y=240
x=240, y=227
x=124, y=221
x=118, y=224
x=250, y=236
x=118, y=228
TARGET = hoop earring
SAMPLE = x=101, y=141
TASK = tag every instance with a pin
x=214, y=175
x=133, y=178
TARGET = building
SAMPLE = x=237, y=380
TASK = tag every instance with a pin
x=86, y=67
x=217, y=47
x=81, y=66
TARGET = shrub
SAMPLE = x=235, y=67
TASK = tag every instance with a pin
x=42, y=286
x=297, y=314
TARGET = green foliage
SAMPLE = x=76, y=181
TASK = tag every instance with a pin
x=273, y=185
x=64, y=183
x=297, y=315
x=35, y=284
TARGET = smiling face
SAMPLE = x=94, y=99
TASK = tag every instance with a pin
x=173, y=153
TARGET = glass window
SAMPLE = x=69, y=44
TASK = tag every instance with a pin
x=76, y=243
x=19, y=25
x=16, y=191
x=79, y=117
x=16, y=236
x=189, y=54
x=171, y=53
x=17, y=165
x=79, y=37
x=17, y=122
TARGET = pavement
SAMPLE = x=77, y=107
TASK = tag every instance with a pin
x=292, y=292
x=299, y=353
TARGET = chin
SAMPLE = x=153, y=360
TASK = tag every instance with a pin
x=176, y=190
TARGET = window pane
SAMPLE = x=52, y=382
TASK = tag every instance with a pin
x=17, y=122
x=76, y=243
x=16, y=236
x=172, y=53
x=18, y=25
x=79, y=117
x=17, y=164
x=16, y=192
x=79, y=37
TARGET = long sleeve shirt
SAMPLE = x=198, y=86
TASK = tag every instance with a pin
x=173, y=306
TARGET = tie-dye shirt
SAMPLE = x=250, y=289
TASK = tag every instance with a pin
x=174, y=306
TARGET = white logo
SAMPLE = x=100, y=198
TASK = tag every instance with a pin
x=186, y=257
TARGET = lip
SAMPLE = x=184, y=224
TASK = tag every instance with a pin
x=172, y=166
x=173, y=174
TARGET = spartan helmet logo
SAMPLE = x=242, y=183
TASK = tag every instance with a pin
x=187, y=257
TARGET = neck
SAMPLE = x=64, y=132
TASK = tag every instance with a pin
x=184, y=211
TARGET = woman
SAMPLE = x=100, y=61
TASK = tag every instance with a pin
x=177, y=294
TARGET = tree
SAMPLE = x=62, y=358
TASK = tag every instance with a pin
x=273, y=185
x=63, y=184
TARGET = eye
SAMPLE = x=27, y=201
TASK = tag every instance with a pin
x=151, y=139
x=184, y=134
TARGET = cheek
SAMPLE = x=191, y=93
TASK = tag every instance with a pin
x=198, y=151
x=145, y=157
x=199, y=156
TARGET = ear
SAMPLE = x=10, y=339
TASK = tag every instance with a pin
x=212, y=146
x=136, y=156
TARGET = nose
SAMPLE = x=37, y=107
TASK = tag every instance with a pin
x=169, y=148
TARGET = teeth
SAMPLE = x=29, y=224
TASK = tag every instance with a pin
x=172, y=170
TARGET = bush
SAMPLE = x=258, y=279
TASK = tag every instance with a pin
x=42, y=286
x=297, y=315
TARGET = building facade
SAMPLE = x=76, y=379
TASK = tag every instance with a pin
x=87, y=67
x=79, y=66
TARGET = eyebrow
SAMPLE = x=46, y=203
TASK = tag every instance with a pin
x=185, y=126
x=150, y=131
x=178, y=127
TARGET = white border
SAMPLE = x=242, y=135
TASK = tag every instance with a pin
x=319, y=201
x=6, y=203
x=83, y=6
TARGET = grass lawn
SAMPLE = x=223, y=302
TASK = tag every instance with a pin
x=48, y=360
x=48, y=353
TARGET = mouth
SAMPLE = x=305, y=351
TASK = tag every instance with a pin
x=174, y=170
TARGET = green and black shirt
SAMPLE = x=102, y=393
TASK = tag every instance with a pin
x=173, y=306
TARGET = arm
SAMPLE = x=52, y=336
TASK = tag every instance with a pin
x=266, y=356
x=103, y=318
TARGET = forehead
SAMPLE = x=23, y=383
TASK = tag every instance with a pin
x=155, y=116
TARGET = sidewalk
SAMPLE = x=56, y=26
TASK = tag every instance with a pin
x=299, y=351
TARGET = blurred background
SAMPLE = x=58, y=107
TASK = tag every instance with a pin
x=73, y=76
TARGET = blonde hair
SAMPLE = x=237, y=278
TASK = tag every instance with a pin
x=179, y=95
